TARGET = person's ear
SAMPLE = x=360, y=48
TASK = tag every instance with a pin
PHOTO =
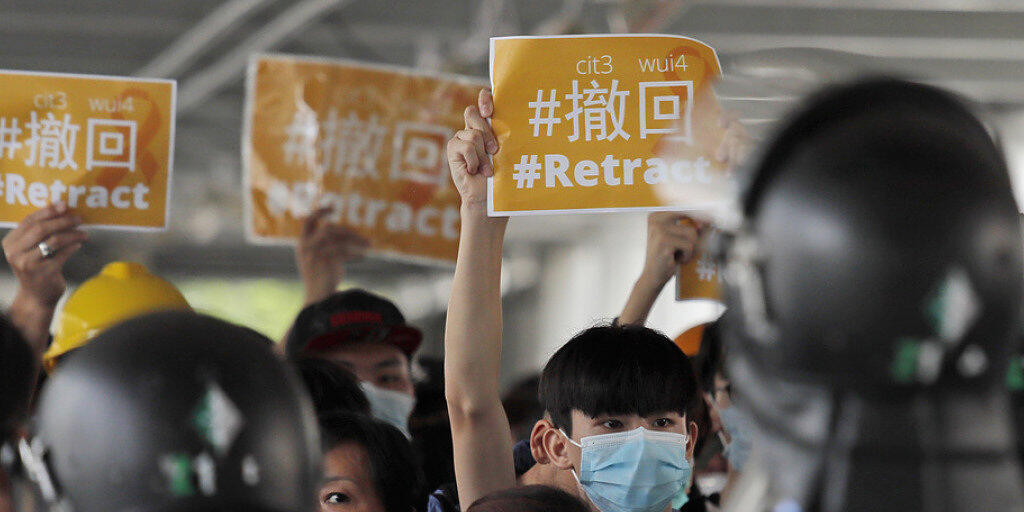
x=557, y=448
x=537, y=449
x=691, y=438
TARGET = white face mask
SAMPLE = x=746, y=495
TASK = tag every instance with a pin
x=392, y=407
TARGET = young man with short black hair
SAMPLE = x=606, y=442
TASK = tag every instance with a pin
x=615, y=394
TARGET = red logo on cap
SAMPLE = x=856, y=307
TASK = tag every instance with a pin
x=355, y=317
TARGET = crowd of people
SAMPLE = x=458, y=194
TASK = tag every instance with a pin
x=873, y=274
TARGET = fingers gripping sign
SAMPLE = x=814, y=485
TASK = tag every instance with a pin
x=671, y=241
x=322, y=252
x=470, y=150
x=736, y=142
x=37, y=250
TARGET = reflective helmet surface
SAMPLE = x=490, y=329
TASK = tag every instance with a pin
x=874, y=295
x=880, y=246
x=177, y=411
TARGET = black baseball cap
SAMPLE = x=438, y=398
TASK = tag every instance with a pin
x=351, y=316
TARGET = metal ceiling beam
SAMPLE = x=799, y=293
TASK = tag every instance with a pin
x=103, y=24
x=208, y=81
x=181, y=54
x=894, y=45
x=1009, y=50
x=902, y=5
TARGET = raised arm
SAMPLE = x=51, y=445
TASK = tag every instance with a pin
x=672, y=237
x=472, y=341
x=322, y=251
x=37, y=250
x=671, y=241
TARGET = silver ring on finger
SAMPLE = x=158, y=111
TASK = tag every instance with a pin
x=45, y=249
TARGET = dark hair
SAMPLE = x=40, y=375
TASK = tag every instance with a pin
x=522, y=407
x=529, y=498
x=394, y=470
x=332, y=388
x=626, y=369
x=710, y=358
x=431, y=430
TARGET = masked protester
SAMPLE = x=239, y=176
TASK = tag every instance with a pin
x=369, y=466
x=727, y=441
x=616, y=434
x=174, y=412
x=375, y=350
x=332, y=388
x=366, y=335
x=874, y=294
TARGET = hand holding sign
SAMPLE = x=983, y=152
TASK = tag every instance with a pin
x=469, y=152
x=322, y=251
x=41, y=277
x=368, y=140
x=671, y=241
x=736, y=142
x=604, y=123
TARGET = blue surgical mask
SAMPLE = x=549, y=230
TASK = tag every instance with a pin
x=390, y=406
x=637, y=471
x=739, y=429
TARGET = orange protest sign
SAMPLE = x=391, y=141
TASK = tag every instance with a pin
x=699, y=278
x=367, y=140
x=102, y=145
x=584, y=123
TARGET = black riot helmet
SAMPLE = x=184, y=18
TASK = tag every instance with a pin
x=880, y=243
x=874, y=285
x=175, y=412
x=1015, y=383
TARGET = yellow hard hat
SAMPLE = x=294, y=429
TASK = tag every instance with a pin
x=122, y=290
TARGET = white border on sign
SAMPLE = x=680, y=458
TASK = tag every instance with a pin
x=283, y=241
x=170, y=153
x=4, y=71
x=490, y=181
x=170, y=140
x=248, y=156
x=246, y=145
x=111, y=227
x=391, y=68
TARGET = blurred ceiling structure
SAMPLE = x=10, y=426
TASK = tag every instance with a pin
x=771, y=52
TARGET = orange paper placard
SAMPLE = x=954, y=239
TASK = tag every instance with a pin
x=603, y=123
x=367, y=140
x=102, y=145
x=699, y=278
